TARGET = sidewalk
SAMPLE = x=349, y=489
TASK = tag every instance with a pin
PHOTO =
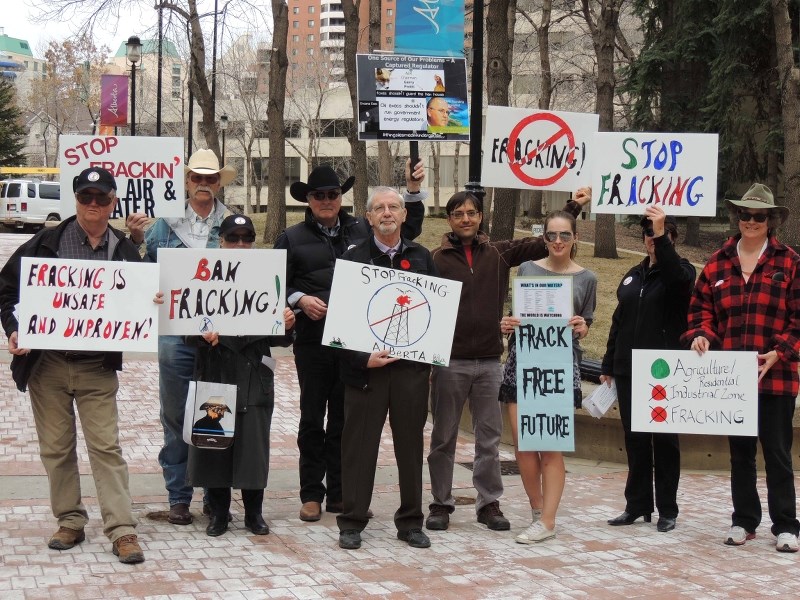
x=302, y=560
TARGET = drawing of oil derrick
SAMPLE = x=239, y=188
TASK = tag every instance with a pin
x=397, y=332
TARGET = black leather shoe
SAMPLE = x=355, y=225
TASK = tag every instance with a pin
x=416, y=538
x=627, y=518
x=217, y=526
x=350, y=539
x=665, y=524
x=256, y=524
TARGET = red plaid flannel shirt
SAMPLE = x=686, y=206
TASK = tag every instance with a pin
x=762, y=314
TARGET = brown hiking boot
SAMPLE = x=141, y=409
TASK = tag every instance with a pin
x=65, y=538
x=128, y=549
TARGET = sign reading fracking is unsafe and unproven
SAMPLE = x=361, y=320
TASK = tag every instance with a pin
x=537, y=149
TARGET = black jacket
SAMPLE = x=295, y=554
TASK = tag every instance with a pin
x=653, y=303
x=311, y=258
x=411, y=257
x=45, y=244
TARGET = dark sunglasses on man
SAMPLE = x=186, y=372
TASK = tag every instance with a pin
x=199, y=178
x=99, y=198
x=745, y=216
x=235, y=238
x=322, y=195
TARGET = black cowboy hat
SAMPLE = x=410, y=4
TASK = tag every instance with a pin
x=321, y=178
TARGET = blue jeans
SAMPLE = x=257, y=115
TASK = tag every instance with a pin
x=176, y=366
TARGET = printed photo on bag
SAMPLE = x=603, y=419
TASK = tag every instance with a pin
x=209, y=421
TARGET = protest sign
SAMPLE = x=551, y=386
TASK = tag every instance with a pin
x=412, y=98
x=676, y=171
x=232, y=292
x=149, y=172
x=537, y=149
x=371, y=309
x=430, y=28
x=545, y=414
x=541, y=296
x=87, y=305
x=679, y=391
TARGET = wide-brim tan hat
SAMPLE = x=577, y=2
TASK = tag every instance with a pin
x=760, y=196
x=205, y=162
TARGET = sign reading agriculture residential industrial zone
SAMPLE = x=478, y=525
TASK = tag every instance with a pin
x=545, y=415
x=679, y=391
x=149, y=172
x=537, y=149
x=411, y=315
x=232, y=292
x=87, y=305
x=412, y=98
x=676, y=171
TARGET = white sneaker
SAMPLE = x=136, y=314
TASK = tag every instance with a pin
x=737, y=536
x=537, y=532
x=787, y=542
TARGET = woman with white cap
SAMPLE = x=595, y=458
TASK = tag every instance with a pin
x=748, y=298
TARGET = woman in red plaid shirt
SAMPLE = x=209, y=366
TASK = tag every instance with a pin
x=748, y=298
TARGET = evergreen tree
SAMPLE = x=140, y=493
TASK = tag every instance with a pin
x=12, y=133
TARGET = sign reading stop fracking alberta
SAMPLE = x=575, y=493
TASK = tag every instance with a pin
x=537, y=149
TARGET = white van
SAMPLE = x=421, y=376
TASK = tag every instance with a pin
x=29, y=203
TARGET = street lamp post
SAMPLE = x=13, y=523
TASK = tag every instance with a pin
x=223, y=127
x=133, y=51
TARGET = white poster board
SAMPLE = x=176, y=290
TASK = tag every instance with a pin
x=679, y=391
x=87, y=305
x=149, y=172
x=232, y=292
x=374, y=308
x=538, y=149
x=676, y=171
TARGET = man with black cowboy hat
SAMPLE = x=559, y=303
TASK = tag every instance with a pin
x=313, y=247
x=60, y=382
x=199, y=228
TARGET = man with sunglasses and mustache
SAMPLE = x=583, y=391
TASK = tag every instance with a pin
x=199, y=228
x=59, y=381
x=312, y=249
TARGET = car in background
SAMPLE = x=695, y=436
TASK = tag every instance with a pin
x=29, y=203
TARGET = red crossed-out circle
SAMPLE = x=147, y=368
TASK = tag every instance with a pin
x=658, y=393
x=658, y=414
x=562, y=131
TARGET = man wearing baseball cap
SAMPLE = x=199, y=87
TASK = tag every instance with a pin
x=61, y=381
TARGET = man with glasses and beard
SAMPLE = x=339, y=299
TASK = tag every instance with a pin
x=199, y=228
x=312, y=249
x=59, y=381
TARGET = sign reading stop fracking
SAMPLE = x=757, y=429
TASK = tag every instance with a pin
x=537, y=149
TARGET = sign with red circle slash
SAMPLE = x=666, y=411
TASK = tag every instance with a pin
x=535, y=149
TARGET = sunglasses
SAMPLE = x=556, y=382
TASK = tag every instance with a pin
x=322, y=195
x=552, y=236
x=745, y=216
x=235, y=238
x=100, y=199
x=198, y=178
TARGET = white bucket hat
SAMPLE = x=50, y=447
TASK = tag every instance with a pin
x=205, y=162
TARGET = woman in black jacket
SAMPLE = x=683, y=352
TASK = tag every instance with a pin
x=651, y=314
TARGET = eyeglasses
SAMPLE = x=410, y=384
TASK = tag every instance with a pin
x=395, y=208
x=552, y=236
x=198, y=178
x=459, y=214
x=745, y=216
x=100, y=199
x=235, y=238
x=322, y=195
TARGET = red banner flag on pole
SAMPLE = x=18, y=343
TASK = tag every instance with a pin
x=114, y=100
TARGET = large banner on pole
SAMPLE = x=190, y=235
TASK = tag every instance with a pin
x=411, y=315
x=545, y=413
x=538, y=149
x=232, y=292
x=87, y=305
x=426, y=28
x=676, y=171
x=149, y=172
x=113, y=100
x=412, y=98
x=679, y=391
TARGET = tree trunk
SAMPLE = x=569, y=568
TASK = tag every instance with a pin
x=603, y=35
x=358, y=149
x=199, y=82
x=546, y=93
x=385, y=164
x=692, y=237
x=789, y=79
x=500, y=19
x=278, y=65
